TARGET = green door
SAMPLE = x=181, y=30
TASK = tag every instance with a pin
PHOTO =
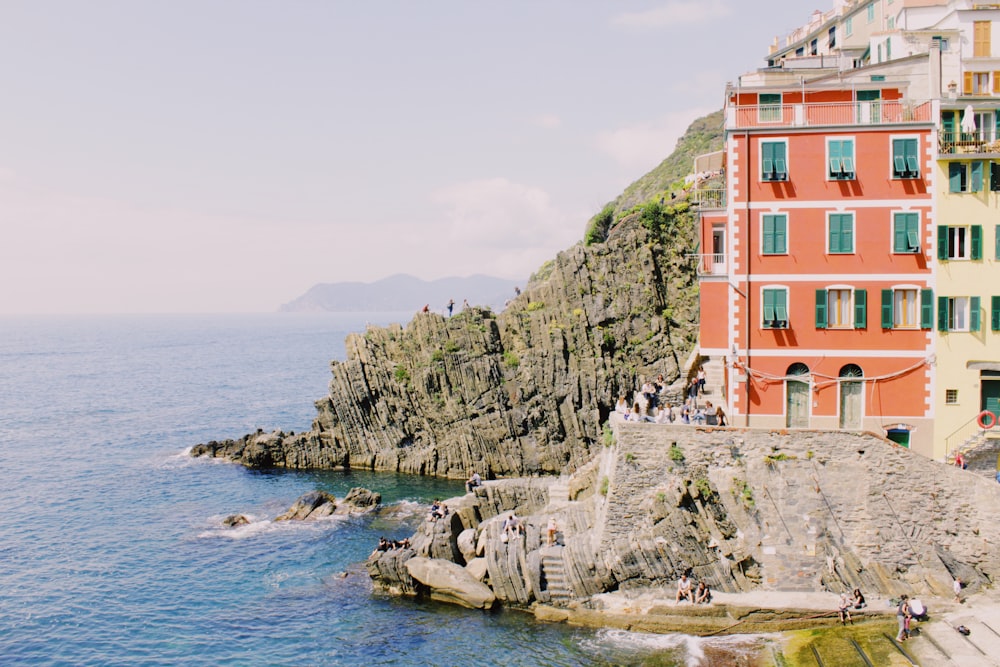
x=869, y=107
x=797, y=397
x=991, y=396
x=900, y=436
x=851, y=397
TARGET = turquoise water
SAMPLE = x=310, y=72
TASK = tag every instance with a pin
x=111, y=550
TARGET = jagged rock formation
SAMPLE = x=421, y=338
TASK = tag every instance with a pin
x=319, y=504
x=522, y=392
x=743, y=510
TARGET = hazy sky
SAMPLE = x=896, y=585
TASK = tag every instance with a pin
x=225, y=156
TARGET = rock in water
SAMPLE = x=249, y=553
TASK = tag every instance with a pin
x=234, y=520
x=359, y=501
x=449, y=582
x=310, y=506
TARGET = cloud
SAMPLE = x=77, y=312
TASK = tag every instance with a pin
x=504, y=228
x=547, y=120
x=674, y=13
x=644, y=145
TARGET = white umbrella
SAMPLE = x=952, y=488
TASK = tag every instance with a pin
x=969, y=120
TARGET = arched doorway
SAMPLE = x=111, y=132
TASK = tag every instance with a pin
x=797, y=396
x=852, y=395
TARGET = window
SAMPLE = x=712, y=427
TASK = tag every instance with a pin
x=814, y=47
x=769, y=107
x=904, y=158
x=891, y=25
x=773, y=161
x=958, y=313
x=849, y=26
x=831, y=37
x=841, y=308
x=981, y=39
x=907, y=308
x=951, y=396
x=965, y=176
x=871, y=12
x=775, y=308
x=840, y=158
x=888, y=49
x=905, y=232
x=775, y=234
x=840, y=233
x=960, y=242
x=995, y=179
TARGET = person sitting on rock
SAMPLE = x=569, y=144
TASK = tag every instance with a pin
x=844, y=609
x=649, y=393
x=703, y=594
x=664, y=415
x=621, y=407
x=858, y=599
x=512, y=526
x=474, y=482
x=684, y=589
x=435, y=510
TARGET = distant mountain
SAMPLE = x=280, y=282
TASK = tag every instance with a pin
x=401, y=293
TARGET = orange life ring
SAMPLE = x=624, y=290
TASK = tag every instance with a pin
x=984, y=417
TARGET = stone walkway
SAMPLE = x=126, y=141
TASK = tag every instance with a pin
x=935, y=642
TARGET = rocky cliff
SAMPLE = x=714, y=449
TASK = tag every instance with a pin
x=522, y=392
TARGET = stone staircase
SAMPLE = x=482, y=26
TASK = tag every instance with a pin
x=559, y=494
x=554, y=578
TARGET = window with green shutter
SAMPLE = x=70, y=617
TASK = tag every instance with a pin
x=887, y=309
x=775, y=234
x=841, y=159
x=995, y=313
x=976, y=181
x=974, y=315
x=841, y=233
x=773, y=161
x=905, y=161
x=860, y=309
x=769, y=107
x=906, y=232
x=977, y=241
x=821, y=305
x=775, y=308
x=942, y=314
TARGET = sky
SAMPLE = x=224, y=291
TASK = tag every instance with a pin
x=214, y=156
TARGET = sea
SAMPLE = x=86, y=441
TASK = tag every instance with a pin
x=112, y=549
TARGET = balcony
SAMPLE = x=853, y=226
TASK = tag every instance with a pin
x=877, y=112
x=981, y=142
x=711, y=264
x=709, y=199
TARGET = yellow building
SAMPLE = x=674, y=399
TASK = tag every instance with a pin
x=967, y=274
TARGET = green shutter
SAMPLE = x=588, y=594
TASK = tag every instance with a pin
x=780, y=170
x=974, y=313
x=841, y=233
x=977, y=177
x=766, y=160
x=995, y=313
x=887, y=309
x=780, y=234
x=955, y=173
x=780, y=307
x=836, y=166
x=899, y=242
x=906, y=232
x=995, y=171
x=860, y=308
x=948, y=122
x=977, y=241
x=768, y=307
x=768, y=234
x=942, y=313
x=926, y=309
x=821, y=303
x=942, y=241
x=996, y=241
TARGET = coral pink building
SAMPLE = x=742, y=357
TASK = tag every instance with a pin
x=815, y=282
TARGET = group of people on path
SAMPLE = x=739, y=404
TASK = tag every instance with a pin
x=686, y=590
x=687, y=413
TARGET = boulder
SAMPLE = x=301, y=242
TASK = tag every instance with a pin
x=467, y=543
x=449, y=582
x=310, y=506
x=359, y=501
x=234, y=520
x=478, y=568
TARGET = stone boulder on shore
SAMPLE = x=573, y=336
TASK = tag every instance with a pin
x=450, y=582
x=319, y=504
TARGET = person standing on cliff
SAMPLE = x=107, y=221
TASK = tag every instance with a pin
x=551, y=531
x=451, y=306
x=701, y=380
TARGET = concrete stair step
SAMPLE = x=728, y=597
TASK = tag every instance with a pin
x=936, y=637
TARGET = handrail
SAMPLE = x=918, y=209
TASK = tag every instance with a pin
x=966, y=434
x=861, y=112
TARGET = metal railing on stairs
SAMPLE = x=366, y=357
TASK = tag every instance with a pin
x=953, y=442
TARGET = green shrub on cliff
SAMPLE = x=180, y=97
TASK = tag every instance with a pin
x=401, y=375
x=510, y=359
x=599, y=225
